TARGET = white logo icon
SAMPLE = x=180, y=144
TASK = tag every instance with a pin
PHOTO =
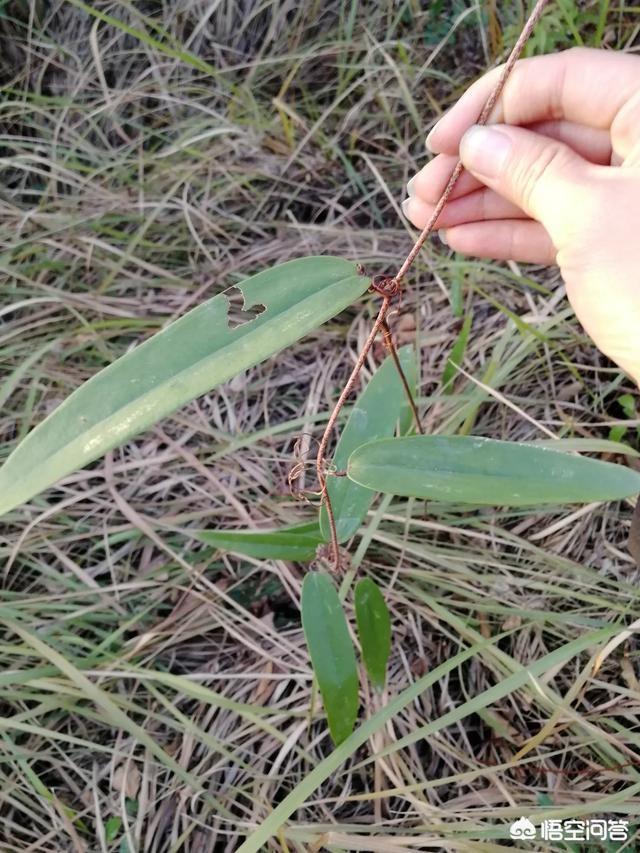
x=522, y=829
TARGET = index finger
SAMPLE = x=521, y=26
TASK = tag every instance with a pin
x=580, y=85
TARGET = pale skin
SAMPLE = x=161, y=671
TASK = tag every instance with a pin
x=554, y=180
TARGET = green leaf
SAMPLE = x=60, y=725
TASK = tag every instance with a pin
x=467, y=469
x=112, y=827
x=376, y=413
x=332, y=654
x=617, y=433
x=290, y=543
x=585, y=445
x=374, y=630
x=455, y=357
x=202, y=349
x=627, y=403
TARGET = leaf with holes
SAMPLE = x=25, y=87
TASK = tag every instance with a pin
x=207, y=346
x=374, y=630
x=331, y=651
x=467, y=469
x=380, y=408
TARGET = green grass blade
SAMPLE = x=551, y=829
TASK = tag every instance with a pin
x=374, y=630
x=331, y=652
x=103, y=701
x=467, y=469
x=379, y=409
x=457, y=354
x=189, y=357
x=144, y=37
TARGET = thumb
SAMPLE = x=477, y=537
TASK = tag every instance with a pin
x=543, y=177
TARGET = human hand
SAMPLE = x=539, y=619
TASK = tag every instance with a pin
x=556, y=179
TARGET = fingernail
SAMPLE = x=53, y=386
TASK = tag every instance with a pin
x=442, y=236
x=485, y=150
x=405, y=206
x=410, y=184
x=429, y=140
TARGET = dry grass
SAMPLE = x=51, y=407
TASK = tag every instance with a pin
x=156, y=692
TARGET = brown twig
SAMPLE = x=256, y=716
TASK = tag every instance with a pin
x=393, y=352
x=390, y=287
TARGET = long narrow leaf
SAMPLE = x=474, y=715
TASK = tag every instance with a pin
x=188, y=358
x=289, y=543
x=466, y=469
x=331, y=652
x=374, y=630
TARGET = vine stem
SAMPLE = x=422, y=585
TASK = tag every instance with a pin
x=518, y=47
x=393, y=352
x=322, y=449
x=381, y=320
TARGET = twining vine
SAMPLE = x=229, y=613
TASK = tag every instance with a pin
x=390, y=287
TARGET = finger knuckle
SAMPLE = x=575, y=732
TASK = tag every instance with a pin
x=549, y=162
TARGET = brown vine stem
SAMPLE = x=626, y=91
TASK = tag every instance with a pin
x=393, y=352
x=388, y=294
x=518, y=47
x=322, y=449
